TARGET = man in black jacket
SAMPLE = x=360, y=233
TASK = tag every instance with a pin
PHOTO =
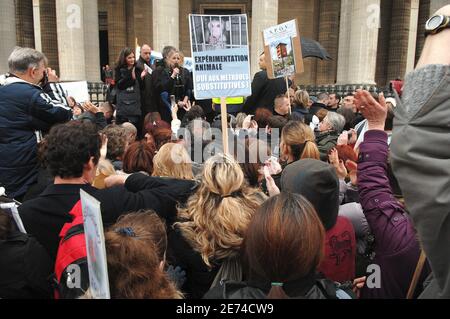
x=144, y=71
x=264, y=90
x=27, y=110
x=72, y=155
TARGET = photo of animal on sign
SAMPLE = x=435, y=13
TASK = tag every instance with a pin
x=209, y=33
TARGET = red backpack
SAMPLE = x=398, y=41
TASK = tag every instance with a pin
x=71, y=270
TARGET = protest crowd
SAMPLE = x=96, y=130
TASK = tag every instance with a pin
x=315, y=197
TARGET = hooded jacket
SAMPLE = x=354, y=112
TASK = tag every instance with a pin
x=25, y=111
x=318, y=183
x=315, y=289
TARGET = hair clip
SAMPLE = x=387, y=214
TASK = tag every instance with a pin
x=127, y=231
x=277, y=284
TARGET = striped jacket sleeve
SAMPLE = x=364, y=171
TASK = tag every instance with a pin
x=50, y=105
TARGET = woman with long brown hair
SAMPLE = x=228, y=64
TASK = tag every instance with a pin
x=128, y=92
x=135, y=248
x=283, y=247
x=212, y=225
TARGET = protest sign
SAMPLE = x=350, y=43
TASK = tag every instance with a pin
x=220, y=53
x=11, y=209
x=221, y=59
x=78, y=90
x=283, y=51
x=95, y=246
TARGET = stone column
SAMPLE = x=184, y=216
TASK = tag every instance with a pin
x=71, y=48
x=49, y=38
x=117, y=31
x=37, y=25
x=264, y=15
x=399, y=37
x=412, y=36
x=165, y=24
x=329, y=38
x=24, y=23
x=7, y=32
x=91, y=40
x=360, y=21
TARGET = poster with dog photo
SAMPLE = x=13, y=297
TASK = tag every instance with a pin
x=283, y=51
x=220, y=53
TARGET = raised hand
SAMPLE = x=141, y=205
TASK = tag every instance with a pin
x=52, y=77
x=338, y=165
x=104, y=148
x=271, y=186
x=375, y=112
x=89, y=107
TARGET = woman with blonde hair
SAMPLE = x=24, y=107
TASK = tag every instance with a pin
x=172, y=160
x=135, y=247
x=298, y=142
x=212, y=225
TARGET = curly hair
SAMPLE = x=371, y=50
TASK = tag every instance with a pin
x=69, y=147
x=134, y=261
x=216, y=217
x=117, y=141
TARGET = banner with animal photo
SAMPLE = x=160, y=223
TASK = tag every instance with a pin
x=220, y=52
x=95, y=247
x=283, y=50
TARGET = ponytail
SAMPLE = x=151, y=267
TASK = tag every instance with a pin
x=277, y=292
x=310, y=151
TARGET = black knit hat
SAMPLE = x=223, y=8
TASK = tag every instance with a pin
x=318, y=182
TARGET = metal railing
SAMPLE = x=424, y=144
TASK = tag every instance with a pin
x=97, y=92
x=345, y=89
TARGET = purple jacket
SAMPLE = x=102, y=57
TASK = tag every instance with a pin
x=396, y=248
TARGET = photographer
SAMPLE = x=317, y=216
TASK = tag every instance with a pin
x=171, y=79
x=27, y=109
x=128, y=90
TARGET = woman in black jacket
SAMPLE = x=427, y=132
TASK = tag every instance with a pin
x=212, y=223
x=128, y=91
x=172, y=79
x=283, y=246
x=25, y=266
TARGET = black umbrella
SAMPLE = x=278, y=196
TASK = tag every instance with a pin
x=313, y=49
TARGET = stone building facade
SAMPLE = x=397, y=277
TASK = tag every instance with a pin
x=371, y=41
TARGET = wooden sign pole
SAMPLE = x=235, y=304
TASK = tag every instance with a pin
x=288, y=94
x=224, y=116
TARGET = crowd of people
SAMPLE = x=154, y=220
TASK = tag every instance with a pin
x=318, y=197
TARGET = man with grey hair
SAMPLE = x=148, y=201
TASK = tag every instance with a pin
x=330, y=129
x=30, y=103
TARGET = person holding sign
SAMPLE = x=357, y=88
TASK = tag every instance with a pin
x=72, y=153
x=264, y=90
